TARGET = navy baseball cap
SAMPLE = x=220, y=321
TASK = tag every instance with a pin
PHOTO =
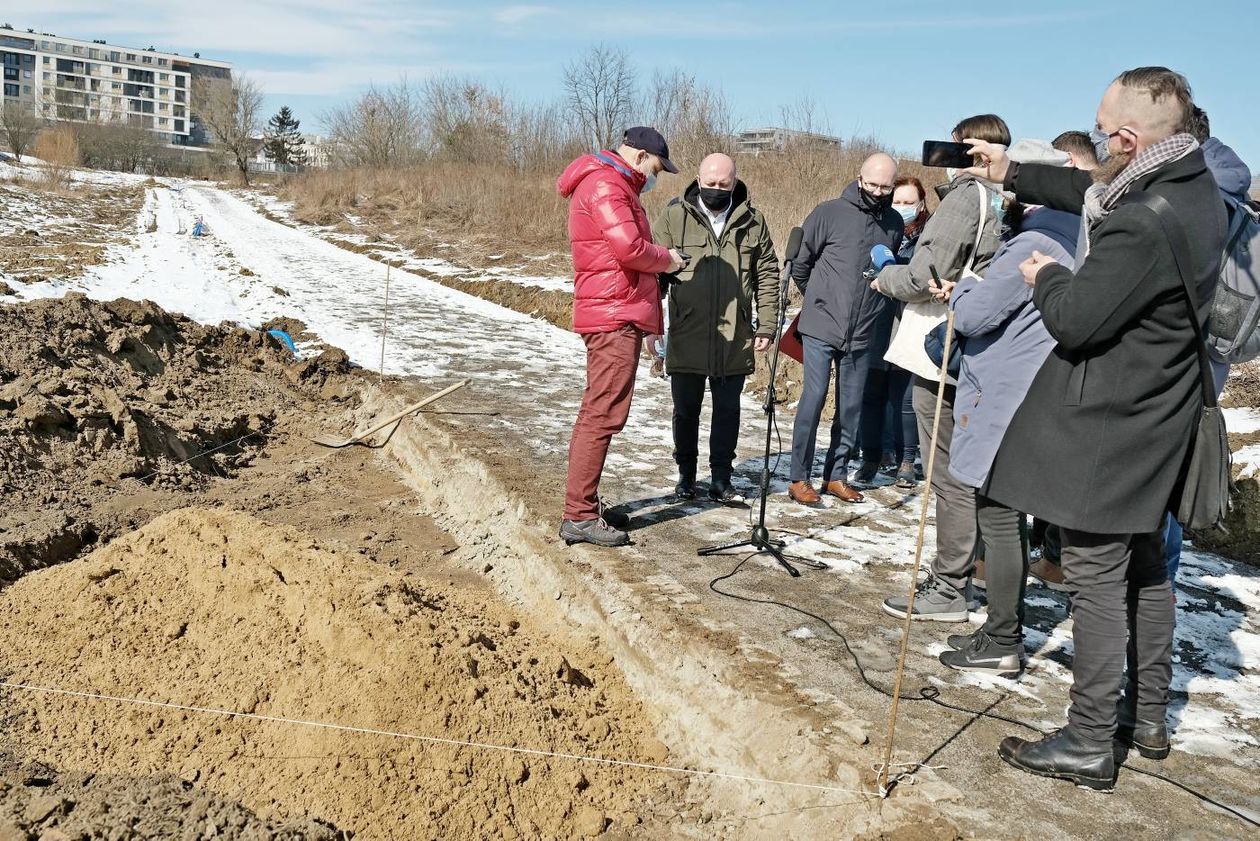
x=650, y=140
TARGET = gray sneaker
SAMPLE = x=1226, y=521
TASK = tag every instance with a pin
x=595, y=531
x=934, y=600
x=985, y=656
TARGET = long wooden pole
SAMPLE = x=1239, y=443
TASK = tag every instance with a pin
x=385, y=322
x=918, y=558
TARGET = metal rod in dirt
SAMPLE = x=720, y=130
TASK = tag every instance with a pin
x=385, y=322
x=918, y=557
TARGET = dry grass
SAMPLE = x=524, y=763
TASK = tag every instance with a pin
x=58, y=148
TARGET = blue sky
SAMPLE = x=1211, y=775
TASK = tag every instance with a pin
x=902, y=72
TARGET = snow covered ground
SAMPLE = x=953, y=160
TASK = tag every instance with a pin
x=388, y=250
x=252, y=269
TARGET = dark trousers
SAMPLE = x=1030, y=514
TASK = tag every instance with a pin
x=1122, y=628
x=822, y=361
x=885, y=398
x=1045, y=536
x=955, y=502
x=612, y=359
x=1005, y=551
x=688, y=392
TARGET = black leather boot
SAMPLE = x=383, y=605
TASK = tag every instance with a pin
x=1148, y=738
x=1065, y=756
x=686, y=487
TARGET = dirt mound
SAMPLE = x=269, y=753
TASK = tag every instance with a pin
x=36, y=802
x=96, y=395
x=220, y=610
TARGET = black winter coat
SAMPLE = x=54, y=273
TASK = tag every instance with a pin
x=1101, y=441
x=840, y=307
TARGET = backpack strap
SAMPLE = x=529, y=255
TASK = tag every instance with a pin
x=1176, y=233
x=984, y=215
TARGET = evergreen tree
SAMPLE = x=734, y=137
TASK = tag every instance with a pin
x=283, y=143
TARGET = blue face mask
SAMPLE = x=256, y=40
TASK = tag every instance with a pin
x=909, y=212
x=649, y=184
x=1100, y=141
x=996, y=201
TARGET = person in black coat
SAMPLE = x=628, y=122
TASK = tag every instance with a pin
x=839, y=321
x=1100, y=444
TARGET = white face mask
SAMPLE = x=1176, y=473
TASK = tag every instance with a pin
x=909, y=212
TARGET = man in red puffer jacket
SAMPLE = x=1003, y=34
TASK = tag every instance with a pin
x=617, y=301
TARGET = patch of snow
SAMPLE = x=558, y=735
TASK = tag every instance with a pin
x=1242, y=421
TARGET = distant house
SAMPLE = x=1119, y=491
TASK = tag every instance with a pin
x=754, y=141
x=318, y=155
x=1255, y=188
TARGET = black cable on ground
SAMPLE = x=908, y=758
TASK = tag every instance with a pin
x=932, y=693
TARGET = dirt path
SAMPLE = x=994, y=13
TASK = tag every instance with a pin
x=737, y=687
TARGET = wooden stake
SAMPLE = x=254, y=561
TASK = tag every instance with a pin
x=918, y=557
x=385, y=322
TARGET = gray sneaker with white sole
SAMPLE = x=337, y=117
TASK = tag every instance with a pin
x=934, y=600
x=597, y=531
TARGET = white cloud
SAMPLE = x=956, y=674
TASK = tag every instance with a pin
x=513, y=15
x=318, y=28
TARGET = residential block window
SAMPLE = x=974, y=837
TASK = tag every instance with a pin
x=47, y=75
x=162, y=77
x=161, y=121
x=10, y=89
x=47, y=59
x=147, y=59
x=161, y=62
x=131, y=56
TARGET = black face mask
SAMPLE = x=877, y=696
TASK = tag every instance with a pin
x=714, y=199
x=874, y=203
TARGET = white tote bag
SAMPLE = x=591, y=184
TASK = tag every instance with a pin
x=917, y=320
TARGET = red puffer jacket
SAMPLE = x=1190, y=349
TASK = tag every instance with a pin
x=615, y=262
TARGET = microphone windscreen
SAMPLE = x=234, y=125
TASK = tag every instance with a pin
x=794, y=244
x=881, y=255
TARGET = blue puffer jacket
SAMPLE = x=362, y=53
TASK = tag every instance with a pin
x=1006, y=343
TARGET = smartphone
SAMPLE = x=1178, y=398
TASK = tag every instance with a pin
x=944, y=154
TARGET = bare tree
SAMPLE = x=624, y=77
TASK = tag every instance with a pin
x=20, y=123
x=232, y=111
x=382, y=128
x=694, y=118
x=600, y=89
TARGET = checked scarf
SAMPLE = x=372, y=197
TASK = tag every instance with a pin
x=1101, y=199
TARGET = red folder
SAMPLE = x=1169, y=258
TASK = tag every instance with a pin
x=790, y=342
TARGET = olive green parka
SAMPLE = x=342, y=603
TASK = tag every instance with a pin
x=729, y=292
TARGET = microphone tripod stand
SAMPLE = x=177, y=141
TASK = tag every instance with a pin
x=760, y=538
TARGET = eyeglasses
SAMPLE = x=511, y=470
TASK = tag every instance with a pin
x=876, y=189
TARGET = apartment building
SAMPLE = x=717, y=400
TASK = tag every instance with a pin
x=757, y=140
x=72, y=79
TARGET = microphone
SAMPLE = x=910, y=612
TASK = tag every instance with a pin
x=881, y=255
x=793, y=245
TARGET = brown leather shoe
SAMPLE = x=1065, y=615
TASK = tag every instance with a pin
x=804, y=493
x=977, y=575
x=844, y=490
x=1049, y=574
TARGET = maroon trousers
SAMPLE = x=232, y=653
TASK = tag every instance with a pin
x=612, y=359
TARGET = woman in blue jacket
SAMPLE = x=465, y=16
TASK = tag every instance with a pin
x=1004, y=344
